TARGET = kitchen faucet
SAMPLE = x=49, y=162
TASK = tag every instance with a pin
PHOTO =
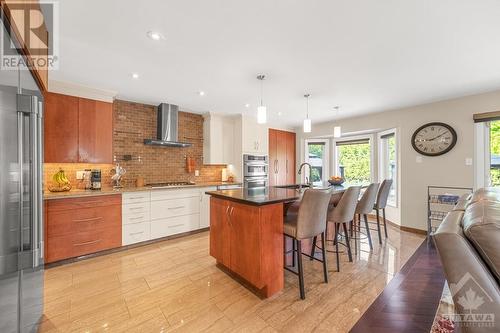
x=308, y=179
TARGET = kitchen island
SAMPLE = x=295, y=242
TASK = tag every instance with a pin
x=246, y=233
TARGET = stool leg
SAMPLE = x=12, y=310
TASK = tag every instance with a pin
x=347, y=242
x=293, y=252
x=336, y=234
x=368, y=231
x=337, y=247
x=323, y=250
x=301, y=270
x=313, y=246
x=378, y=227
x=385, y=225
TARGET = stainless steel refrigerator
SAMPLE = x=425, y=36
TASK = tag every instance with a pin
x=21, y=217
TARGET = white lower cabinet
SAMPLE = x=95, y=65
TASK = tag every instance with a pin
x=135, y=233
x=205, y=207
x=148, y=215
x=174, y=225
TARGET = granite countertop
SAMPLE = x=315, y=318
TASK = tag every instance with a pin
x=271, y=195
x=76, y=193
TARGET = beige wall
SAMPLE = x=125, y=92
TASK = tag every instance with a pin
x=446, y=170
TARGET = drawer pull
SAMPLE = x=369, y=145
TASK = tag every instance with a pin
x=136, y=198
x=89, y=219
x=136, y=218
x=87, y=243
x=89, y=203
x=178, y=207
x=136, y=208
x=176, y=225
x=136, y=233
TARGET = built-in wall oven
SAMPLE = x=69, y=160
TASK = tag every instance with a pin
x=255, y=171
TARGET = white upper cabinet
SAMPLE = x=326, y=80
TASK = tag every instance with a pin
x=254, y=136
x=218, y=139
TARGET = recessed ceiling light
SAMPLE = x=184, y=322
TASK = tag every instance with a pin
x=201, y=93
x=247, y=105
x=279, y=113
x=135, y=75
x=155, y=35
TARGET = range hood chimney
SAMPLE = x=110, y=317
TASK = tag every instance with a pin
x=167, y=126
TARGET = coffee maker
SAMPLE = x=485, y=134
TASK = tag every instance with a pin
x=95, y=179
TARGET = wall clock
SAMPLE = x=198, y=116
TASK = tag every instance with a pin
x=434, y=139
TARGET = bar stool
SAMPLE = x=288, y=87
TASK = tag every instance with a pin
x=365, y=206
x=309, y=222
x=380, y=204
x=341, y=215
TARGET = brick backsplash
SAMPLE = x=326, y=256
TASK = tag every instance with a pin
x=134, y=122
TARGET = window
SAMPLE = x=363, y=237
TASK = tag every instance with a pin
x=317, y=156
x=353, y=160
x=388, y=168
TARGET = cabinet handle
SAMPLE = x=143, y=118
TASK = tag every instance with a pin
x=178, y=207
x=277, y=167
x=176, y=225
x=87, y=243
x=287, y=166
x=136, y=233
x=89, y=203
x=136, y=208
x=136, y=198
x=136, y=218
x=231, y=212
x=89, y=219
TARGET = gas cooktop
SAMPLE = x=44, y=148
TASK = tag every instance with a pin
x=169, y=184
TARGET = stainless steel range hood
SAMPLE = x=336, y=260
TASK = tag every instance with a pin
x=167, y=126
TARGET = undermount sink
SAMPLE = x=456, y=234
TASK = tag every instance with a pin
x=293, y=186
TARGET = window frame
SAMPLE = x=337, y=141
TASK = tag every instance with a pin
x=381, y=161
x=326, y=156
x=370, y=138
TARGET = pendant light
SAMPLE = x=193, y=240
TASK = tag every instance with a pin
x=307, y=121
x=337, y=130
x=261, y=109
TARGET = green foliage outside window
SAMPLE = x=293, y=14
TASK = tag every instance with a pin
x=355, y=159
x=495, y=150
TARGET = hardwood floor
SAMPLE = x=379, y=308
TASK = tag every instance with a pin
x=410, y=300
x=175, y=286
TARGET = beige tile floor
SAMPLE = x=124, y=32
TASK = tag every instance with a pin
x=174, y=286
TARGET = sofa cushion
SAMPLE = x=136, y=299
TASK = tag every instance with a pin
x=487, y=193
x=463, y=202
x=481, y=226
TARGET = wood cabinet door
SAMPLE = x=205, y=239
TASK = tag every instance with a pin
x=219, y=231
x=95, y=131
x=290, y=158
x=273, y=157
x=281, y=138
x=60, y=126
x=244, y=222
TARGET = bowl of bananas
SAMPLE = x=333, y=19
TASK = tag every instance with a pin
x=60, y=182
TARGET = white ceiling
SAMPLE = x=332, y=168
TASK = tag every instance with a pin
x=363, y=55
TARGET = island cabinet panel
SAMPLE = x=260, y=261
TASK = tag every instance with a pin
x=248, y=241
x=80, y=226
x=220, y=231
x=245, y=246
